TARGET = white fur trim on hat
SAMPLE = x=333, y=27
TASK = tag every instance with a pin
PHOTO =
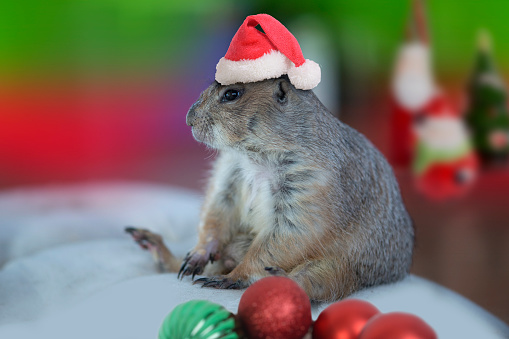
x=306, y=76
x=270, y=65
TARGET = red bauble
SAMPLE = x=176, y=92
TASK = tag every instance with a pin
x=397, y=325
x=343, y=320
x=275, y=307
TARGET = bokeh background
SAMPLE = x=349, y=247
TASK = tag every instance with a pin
x=98, y=90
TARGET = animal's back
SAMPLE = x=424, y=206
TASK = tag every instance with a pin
x=368, y=202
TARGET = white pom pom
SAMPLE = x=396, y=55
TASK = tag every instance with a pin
x=306, y=76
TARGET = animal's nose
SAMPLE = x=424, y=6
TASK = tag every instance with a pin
x=189, y=118
x=191, y=114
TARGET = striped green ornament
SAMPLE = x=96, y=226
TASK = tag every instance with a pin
x=198, y=319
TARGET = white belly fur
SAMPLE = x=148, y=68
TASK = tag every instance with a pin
x=257, y=206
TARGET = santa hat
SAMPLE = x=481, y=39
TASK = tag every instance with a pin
x=254, y=55
x=417, y=27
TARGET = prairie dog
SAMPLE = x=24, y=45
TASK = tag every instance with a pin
x=293, y=192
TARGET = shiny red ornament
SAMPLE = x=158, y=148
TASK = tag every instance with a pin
x=343, y=320
x=397, y=325
x=275, y=307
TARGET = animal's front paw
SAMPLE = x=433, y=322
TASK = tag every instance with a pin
x=195, y=261
x=222, y=282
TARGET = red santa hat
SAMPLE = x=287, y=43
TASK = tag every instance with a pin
x=254, y=55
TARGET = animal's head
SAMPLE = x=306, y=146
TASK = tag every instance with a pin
x=263, y=115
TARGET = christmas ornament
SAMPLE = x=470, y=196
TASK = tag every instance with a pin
x=413, y=86
x=487, y=114
x=397, y=325
x=275, y=307
x=343, y=319
x=427, y=133
x=445, y=164
x=198, y=319
x=254, y=55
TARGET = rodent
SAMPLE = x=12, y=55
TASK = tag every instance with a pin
x=294, y=192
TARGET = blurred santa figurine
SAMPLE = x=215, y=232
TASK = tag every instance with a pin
x=427, y=133
x=413, y=87
x=445, y=164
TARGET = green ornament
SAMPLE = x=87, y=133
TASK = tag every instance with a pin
x=198, y=319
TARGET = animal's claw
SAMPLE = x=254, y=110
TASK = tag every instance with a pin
x=196, y=271
x=211, y=283
x=192, y=265
x=181, y=273
x=221, y=282
x=195, y=261
x=200, y=280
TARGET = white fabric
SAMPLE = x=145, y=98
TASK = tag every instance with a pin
x=71, y=272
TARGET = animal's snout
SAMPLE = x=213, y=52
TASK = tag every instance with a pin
x=191, y=114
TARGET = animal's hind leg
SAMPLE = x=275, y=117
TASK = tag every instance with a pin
x=154, y=243
x=322, y=279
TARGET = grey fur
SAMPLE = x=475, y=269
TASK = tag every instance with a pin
x=337, y=221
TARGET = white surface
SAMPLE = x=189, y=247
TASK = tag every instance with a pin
x=72, y=272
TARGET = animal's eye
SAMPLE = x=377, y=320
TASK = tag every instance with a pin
x=231, y=95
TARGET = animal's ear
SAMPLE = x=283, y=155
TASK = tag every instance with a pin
x=281, y=90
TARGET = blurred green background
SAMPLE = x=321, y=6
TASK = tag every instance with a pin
x=149, y=36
